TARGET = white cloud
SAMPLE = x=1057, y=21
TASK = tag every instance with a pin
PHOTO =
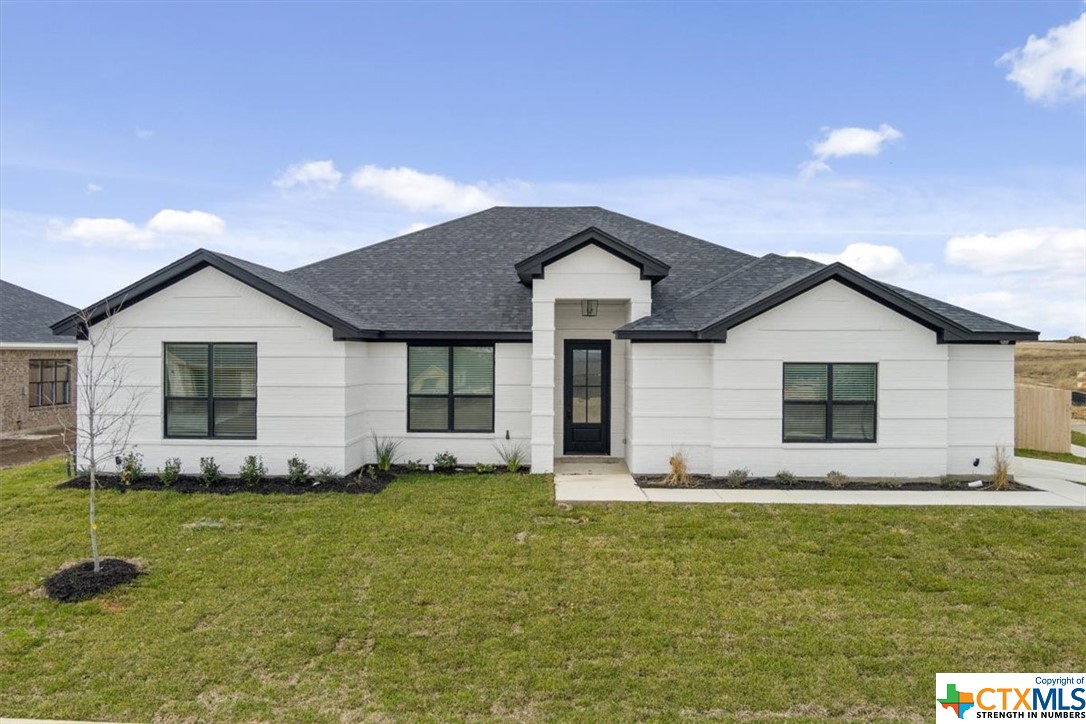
x=850, y=141
x=171, y=221
x=94, y=189
x=315, y=174
x=1053, y=68
x=144, y=134
x=418, y=191
x=877, y=260
x=121, y=233
x=1051, y=249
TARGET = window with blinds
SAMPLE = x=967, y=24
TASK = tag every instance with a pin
x=450, y=388
x=830, y=402
x=210, y=390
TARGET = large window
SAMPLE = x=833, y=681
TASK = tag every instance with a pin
x=50, y=382
x=450, y=388
x=210, y=390
x=830, y=402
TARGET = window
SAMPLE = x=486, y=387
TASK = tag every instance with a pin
x=210, y=390
x=829, y=402
x=50, y=382
x=450, y=388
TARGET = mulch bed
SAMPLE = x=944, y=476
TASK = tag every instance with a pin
x=80, y=582
x=706, y=482
x=272, y=485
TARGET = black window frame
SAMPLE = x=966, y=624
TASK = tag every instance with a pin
x=829, y=405
x=450, y=395
x=210, y=397
x=34, y=388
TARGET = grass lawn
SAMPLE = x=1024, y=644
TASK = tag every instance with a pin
x=446, y=598
x=1044, y=455
x=1078, y=438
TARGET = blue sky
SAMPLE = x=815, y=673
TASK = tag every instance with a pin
x=941, y=146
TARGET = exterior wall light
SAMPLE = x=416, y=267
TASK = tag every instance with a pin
x=589, y=307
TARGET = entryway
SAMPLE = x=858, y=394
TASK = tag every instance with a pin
x=587, y=397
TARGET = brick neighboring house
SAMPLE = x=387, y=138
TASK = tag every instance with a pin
x=37, y=369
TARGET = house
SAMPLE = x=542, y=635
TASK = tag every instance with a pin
x=37, y=390
x=570, y=331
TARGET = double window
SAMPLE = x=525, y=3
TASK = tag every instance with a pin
x=830, y=402
x=450, y=388
x=50, y=382
x=210, y=390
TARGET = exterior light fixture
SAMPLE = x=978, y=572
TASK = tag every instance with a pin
x=589, y=307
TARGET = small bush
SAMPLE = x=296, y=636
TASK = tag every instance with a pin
x=513, y=455
x=786, y=478
x=836, y=480
x=297, y=471
x=737, y=477
x=252, y=470
x=385, y=450
x=484, y=468
x=679, y=477
x=445, y=461
x=131, y=468
x=210, y=472
x=1001, y=470
x=170, y=472
x=326, y=474
x=415, y=466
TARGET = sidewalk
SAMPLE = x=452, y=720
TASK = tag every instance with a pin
x=1052, y=480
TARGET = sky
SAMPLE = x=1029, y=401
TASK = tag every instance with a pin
x=937, y=146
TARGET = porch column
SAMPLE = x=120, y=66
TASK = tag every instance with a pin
x=542, y=385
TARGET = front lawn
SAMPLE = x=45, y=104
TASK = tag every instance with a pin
x=446, y=598
x=1045, y=455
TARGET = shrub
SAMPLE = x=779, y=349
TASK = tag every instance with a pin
x=326, y=474
x=385, y=450
x=737, y=477
x=512, y=454
x=415, y=466
x=445, y=461
x=679, y=477
x=252, y=470
x=170, y=472
x=836, y=480
x=1001, y=473
x=484, y=468
x=210, y=472
x=297, y=471
x=131, y=468
x=785, y=477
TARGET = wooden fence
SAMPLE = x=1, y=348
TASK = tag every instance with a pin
x=1042, y=418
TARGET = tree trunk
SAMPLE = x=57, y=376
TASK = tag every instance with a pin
x=93, y=524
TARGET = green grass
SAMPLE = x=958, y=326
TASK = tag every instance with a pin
x=449, y=598
x=1055, y=456
x=1078, y=438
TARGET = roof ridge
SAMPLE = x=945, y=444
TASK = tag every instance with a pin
x=673, y=231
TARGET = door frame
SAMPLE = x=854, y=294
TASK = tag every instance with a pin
x=604, y=345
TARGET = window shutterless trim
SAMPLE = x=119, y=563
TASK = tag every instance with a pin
x=34, y=389
x=450, y=395
x=829, y=404
x=209, y=398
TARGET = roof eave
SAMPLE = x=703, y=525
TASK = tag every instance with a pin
x=652, y=269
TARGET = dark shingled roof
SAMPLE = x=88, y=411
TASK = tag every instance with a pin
x=25, y=316
x=461, y=278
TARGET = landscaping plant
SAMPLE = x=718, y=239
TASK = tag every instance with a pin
x=385, y=451
x=252, y=470
x=1001, y=473
x=297, y=471
x=131, y=468
x=786, y=478
x=170, y=472
x=325, y=474
x=415, y=466
x=483, y=468
x=679, y=476
x=445, y=461
x=836, y=480
x=512, y=454
x=737, y=477
x=210, y=472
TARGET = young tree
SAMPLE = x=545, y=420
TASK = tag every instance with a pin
x=106, y=405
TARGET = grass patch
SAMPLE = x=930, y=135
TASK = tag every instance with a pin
x=1078, y=438
x=1055, y=456
x=476, y=597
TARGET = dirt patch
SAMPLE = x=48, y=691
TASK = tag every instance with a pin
x=710, y=483
x=1051, y=364
x=80, y=582
x=28, y=448
x=191, y=484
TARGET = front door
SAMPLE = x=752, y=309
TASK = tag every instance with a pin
x=587, y=397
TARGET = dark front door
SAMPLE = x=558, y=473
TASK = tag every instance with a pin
x=588, y=397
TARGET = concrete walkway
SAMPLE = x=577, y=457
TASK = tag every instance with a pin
x=610, y=481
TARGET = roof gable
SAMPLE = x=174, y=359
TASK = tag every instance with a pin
x=532, y=267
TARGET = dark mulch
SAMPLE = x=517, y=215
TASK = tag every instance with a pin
x=702, y=481
x=80, y=582
x=269, y=486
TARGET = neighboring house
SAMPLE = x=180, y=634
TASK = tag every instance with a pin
x=37, y=386
x=570, y=331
